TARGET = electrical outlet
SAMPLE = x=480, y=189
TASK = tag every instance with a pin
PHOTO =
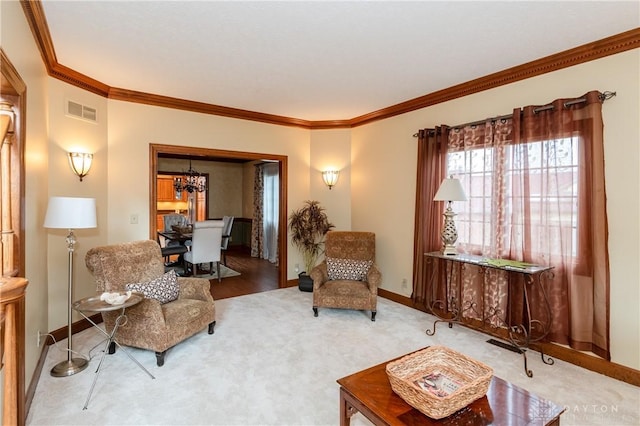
x=38, y=338
x=297, y=268
x=404, y=283
x=133, y=219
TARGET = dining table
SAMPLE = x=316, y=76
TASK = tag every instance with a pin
x=176, y=236
x=174, y=249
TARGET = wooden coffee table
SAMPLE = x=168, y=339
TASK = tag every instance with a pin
x=370, y=393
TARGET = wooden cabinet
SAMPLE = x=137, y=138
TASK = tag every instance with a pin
x=166, y=190
x=160, y=221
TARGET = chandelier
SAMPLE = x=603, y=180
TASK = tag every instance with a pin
x=191, y=182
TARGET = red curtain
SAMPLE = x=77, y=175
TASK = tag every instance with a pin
x=432, y=149
x=535, y=184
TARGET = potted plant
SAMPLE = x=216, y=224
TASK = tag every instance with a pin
x=308, y=226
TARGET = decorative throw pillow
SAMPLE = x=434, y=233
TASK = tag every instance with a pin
x=164, y=289
x=348, y=269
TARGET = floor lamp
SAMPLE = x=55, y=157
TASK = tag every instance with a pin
x=70, y=213
x=450, y=190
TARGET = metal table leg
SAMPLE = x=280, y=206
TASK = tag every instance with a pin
x=121, y=320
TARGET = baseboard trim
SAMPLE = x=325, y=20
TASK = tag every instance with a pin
x=58, y=335
x=584, y=360
x=35, y=378
x=291, y=283
x=76, y=327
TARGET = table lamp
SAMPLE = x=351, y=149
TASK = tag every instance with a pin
x=450, y=190
x=70, y=213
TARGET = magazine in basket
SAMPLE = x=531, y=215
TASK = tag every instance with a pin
x=438, y=381
x=438, y=384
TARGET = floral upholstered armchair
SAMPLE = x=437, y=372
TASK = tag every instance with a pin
x=173, y=308
x=348, y=278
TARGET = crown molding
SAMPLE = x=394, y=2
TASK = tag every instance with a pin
x=201, y=107
x=609, y=46
x=585, y=53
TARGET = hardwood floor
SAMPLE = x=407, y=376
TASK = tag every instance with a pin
x=256, y=275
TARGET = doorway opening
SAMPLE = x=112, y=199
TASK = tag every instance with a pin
x=159, y=151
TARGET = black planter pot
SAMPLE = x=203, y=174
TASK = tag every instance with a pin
x=305, y=283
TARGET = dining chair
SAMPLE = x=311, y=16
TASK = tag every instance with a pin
x=173, y=219
x=169, y=250
x=205, y=246
x=226, y=236
x=170, y=220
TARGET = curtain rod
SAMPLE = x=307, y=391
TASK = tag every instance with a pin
x=603, y=97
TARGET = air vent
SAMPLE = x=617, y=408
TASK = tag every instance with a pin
x=83, y=112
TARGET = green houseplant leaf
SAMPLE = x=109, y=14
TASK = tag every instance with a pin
x=308, y=226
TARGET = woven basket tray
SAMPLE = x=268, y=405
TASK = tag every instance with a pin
x=427, y=380
x=182, y=229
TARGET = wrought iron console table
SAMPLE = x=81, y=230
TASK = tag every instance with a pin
x=450, y=303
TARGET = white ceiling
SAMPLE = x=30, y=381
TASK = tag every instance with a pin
x=317, y=60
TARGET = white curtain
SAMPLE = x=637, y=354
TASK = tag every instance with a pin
x=271, y=198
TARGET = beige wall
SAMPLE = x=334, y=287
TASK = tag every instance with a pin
x=68, y=134
x=375, y=191
x=133, y=127
x=331, y=150
x=248, y=173
x=384, y=162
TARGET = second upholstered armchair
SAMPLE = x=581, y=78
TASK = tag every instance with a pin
x=173, y=308
x=348, y=278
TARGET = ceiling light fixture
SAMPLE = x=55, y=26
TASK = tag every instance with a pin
x=191, y=182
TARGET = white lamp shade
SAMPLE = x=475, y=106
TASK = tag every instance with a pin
x=70, y=213
x=450, y=190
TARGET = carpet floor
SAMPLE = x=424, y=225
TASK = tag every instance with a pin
x=270, y=362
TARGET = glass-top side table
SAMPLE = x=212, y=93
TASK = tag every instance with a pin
x=93, y=304
x=453, y=303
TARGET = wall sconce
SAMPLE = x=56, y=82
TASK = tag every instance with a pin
x=330, y=177
x=80, y=163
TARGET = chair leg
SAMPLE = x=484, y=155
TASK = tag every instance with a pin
x=218, y=270
x=224, y=257
x=373, y=315
x=315, y=311
x=160, y=358
x=213, y=324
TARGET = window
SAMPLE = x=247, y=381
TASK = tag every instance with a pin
x=502, y=183
x=536, y=192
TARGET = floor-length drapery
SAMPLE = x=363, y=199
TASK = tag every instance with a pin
x=270, y=211
x=432, y=145
x=257, y=228
x=580, y=290
x=536, y=193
